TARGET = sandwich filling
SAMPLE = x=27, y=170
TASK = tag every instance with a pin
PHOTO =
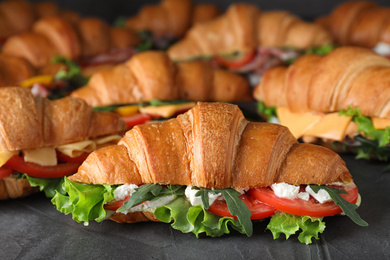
x=201, y=210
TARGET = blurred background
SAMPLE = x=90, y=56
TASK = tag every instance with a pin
x=112, y=9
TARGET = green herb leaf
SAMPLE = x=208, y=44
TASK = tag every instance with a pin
x=120, y=21
x=238, y=208
x=321, y=50
x=146, y=41
x=71, y=74
x=204, y=196
x=269, y=112
x=156, y=102
x=290, y=224
x=348, y=208
x=106, y=108
x=141, y=194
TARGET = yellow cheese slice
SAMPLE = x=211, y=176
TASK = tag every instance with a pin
x=166, y=111
x=78, y=148
x=42, y=79
x=127, y=110
x=298, y=123
x=380, y=123
x=107, y=140
x=43, y=156
x=5, y=155
x=332, y=126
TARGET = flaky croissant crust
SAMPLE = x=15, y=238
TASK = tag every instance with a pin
x=242, y=28
x=348, y=76
x=212, y=146
x=153, y=75
x=29, y=123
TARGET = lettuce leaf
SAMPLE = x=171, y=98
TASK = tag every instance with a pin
x=373, y=141
x=195, y=219
x=48, y=185
x=290, y=224
x=84, y=201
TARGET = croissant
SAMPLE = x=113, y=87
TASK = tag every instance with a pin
x=243, y=28
x=18, y=15
x=152, y=75
x=14, y=70
x=171, y=18
x=316, y=88
x=211, y=146
x=359, y=23
x=31, y=123
x=84, y=41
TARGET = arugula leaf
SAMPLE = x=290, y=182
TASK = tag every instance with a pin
x=146, y=41
x=151, y=192
x=290, y=224
x=237, y=208
x=120, y=21
x=348, y=208
x=203, y=193
x=141, y=194
x=156, y=102
x=269, y=112
x=48, y=185
x=106, y=108
x=321, y=50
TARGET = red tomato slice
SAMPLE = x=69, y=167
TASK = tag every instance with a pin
x=115, y=204
x=236, y=63
x=258, y=209
x=5, y=172
x=301, y=207
x=64, y=158
x=136, y=119
x=18, y=164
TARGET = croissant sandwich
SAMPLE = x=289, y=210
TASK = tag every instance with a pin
x=340, y=99
x=248, y=40
x=41, y=140
x=151, y=76
x=89, y=41
x=18, y=15
x=170, y=19
x=209, y=170
x=360, y=23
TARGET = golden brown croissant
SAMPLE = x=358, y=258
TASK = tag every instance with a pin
x=19, y=15
x=54, y=35
x=152, y=75
x=359, y=23
x=32, y=123
x=327, y=84
x=210, y=146
x=243, y=28
x=14, y=70
x=309, y=95
x=171, y=18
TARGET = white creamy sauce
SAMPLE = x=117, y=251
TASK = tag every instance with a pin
x=288, y=191
x=124, y=191
x=382, y=49
x=196, y=200
x=274, y=120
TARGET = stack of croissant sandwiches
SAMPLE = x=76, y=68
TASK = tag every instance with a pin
x=207, y=170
